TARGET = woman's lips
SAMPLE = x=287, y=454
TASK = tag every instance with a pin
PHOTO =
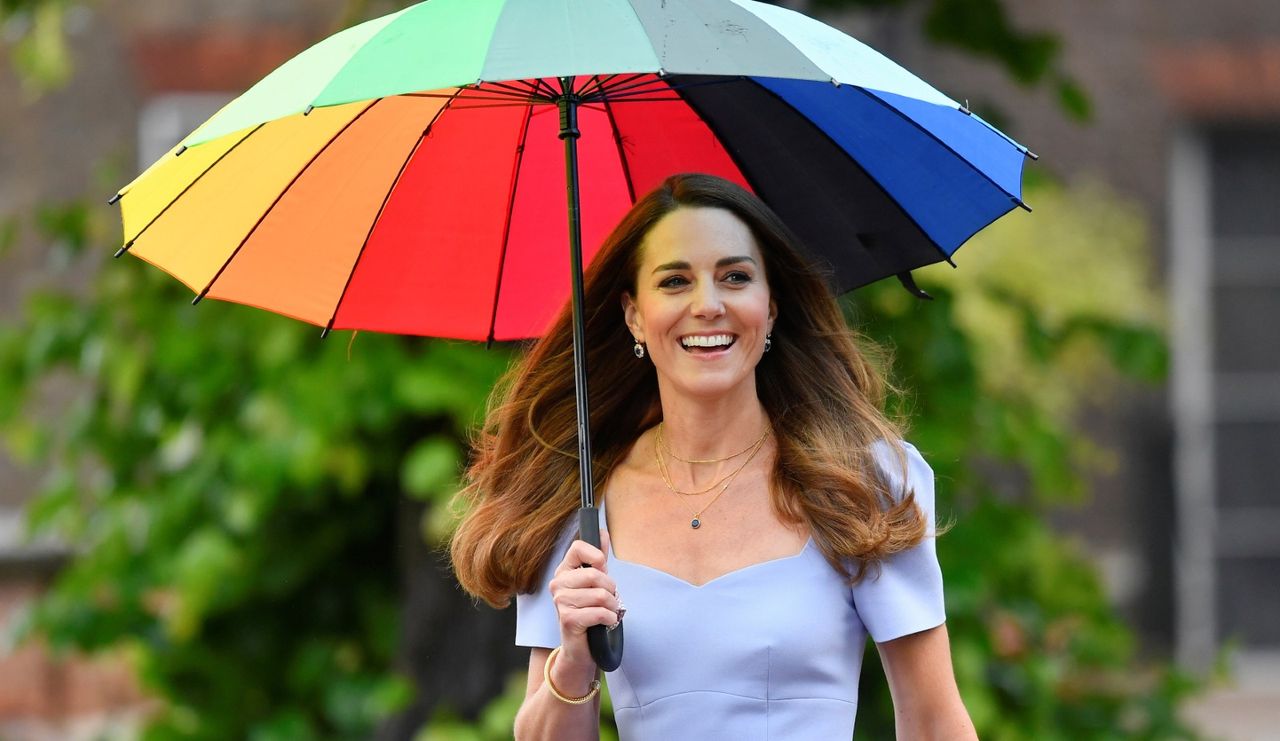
x=709, y=341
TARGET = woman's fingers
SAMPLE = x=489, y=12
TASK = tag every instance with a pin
x=588, y=597
x=582, y=590
x=584, y=579
x=581, y=553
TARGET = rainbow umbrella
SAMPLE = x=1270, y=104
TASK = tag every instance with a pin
x=410, y=174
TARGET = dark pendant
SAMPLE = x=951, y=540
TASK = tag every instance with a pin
x=696, y=523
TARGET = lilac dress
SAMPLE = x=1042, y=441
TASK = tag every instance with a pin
x=768, y=651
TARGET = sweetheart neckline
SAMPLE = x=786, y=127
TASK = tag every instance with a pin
x=614, y=557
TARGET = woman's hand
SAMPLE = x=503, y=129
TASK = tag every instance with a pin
x=584, y=595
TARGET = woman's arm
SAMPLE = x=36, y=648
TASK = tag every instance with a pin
x=543, y=716
x=584, y=595
x=926, y=701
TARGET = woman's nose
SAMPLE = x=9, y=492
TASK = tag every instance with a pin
x=707, y=301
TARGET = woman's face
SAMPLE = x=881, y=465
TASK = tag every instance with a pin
x=702, y=305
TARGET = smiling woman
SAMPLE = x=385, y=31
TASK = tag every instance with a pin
x=750, y=480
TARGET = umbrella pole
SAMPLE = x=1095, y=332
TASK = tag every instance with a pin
x=605, y=644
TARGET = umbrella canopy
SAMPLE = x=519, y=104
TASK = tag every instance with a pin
x=406, y=175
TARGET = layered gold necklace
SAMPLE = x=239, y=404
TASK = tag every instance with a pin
x=696, y=520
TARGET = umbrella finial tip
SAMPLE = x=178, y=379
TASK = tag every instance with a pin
x=307, y=111
x=113, y=200
x=181, y=149
x=908, y=282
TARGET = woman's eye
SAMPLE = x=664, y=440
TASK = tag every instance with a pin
x=672, y=282
x=738, y=277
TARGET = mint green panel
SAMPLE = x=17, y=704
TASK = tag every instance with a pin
x=290, y=88
x=432, y=45
x=541, y=38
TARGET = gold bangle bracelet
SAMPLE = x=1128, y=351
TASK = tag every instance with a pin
x=551, y=687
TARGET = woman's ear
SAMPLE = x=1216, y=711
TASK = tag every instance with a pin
x=773, y=313
x=630, y=315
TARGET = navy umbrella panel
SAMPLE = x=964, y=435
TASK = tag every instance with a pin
x=872, y=190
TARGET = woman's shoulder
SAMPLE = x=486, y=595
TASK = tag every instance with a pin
x=902, y=465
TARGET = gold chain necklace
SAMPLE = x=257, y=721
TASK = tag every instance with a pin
x=666, y=475
x=672, y=453
x=696, y=521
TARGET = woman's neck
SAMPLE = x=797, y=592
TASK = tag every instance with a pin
x=697, y=428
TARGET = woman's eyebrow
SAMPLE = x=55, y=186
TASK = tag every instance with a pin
x=683, y=265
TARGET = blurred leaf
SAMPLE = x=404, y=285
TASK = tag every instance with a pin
x=67, y=225
x=432, y=466
x=982, y=28
x=1073, y=99
x=41, y=54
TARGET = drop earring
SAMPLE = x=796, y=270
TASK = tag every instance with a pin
x=638, y=349
x=768, y=341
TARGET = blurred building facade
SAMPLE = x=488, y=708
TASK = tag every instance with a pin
x=1186, y=103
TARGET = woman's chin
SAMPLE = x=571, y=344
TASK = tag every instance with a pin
x=710, y=384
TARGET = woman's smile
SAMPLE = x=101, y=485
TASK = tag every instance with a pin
x=708, y=345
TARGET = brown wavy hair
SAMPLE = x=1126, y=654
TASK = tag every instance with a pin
x=823, y=397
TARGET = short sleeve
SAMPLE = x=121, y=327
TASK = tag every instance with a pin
x=904, y=595
x=537, y=622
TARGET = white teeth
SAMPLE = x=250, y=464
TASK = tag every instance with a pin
x=715, y=340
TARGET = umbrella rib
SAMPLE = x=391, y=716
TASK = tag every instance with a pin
x=498, y=90
x=636, y=81
x=506, y=226
x=129, y=243
x=622, y=154
x=550, y=93
x=943, y=144
x=526, y=91
x=641, y=99
x=478, y=106
x=496, y=96
x=641, y=78
x=374, y=223
x=653, y=87
x=280, y=196
x=592, y=86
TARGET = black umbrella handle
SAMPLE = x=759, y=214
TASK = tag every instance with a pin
x=605, y=644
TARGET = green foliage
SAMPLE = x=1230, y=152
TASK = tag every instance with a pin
x=230, y=484
x=39, y=51
x=1043, y=318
